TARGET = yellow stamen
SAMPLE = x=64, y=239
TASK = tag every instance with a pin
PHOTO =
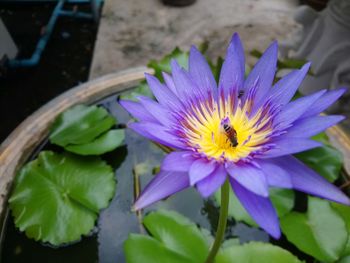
x=204, y=130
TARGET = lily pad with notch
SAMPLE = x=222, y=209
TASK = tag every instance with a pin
x=57, y=197
x=85, y=130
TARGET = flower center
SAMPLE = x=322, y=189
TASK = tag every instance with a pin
x=224, y=131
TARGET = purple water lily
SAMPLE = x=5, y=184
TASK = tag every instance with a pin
x=243, y=129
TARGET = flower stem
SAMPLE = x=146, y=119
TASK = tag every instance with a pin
x=220, y=232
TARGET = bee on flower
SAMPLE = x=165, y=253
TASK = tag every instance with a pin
x=244, y=130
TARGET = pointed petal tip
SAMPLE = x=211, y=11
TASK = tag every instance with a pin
x=342, y=90
x=236, y=43
x=339, y=198
x=274, y=43
x=147, y=74
x=194, y=49
x=139, y=205
x=149, y=77
x=275, y=233
x=203, y=193
x=273, y=48
x=165, y=74
x=174, y=64
x=306, y=67
x=236, y=37
x=338, y=118
x=346, y=201
x=163, y=185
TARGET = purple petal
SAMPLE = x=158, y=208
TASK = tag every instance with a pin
x=201, y=73
x=262, y=75
x=284, y=90
x=212, y=182
x=169, y=82
x=250, y=177
x=178, y=162
x=311, y=126
x=260, y=209
x=200, y=169
x=289, y=146
x=162, y=93
x=293, y=110
x=185, y=87
x=157, y=133
x=274, y=174
x=232, y=71
x=158, y=111
x=137, y=111
x=324, y=102
x=161, y=186
x=306, y=180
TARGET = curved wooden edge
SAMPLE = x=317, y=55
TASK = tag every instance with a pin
x=19, y=145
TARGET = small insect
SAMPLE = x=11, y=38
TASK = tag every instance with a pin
x=231, y=134
x=240, y=93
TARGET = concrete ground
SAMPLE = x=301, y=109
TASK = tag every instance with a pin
x=132, y=32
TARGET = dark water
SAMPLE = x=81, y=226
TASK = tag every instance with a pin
x=105, y=244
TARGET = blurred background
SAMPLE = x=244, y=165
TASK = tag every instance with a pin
x=47, y=47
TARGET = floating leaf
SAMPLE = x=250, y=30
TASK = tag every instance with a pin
x=105, y=143
x=255, y=252
x=321, y=232
x=80, y=124
x=282, y=199
x=326, y=160
x=145, y=249
x=57, y=197
x=344, y=212
x=175, y=239
x=344, y=260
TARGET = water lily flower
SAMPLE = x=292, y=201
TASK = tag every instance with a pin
x=241, y=129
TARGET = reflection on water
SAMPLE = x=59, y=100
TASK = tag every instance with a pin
x=117, y=221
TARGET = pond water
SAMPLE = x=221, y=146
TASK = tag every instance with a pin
x=133, y=164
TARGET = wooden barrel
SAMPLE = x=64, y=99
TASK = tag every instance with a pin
x=21, y=143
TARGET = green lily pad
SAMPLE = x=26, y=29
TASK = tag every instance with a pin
x=80, y=125
x=174, y=239
x=344, y=212
x=255, y=252
x=344, y=260
x=282, y=199
x=57, y=197
x=321, y=232
x=105, y=143
x=145, y=249
x=326, y=160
